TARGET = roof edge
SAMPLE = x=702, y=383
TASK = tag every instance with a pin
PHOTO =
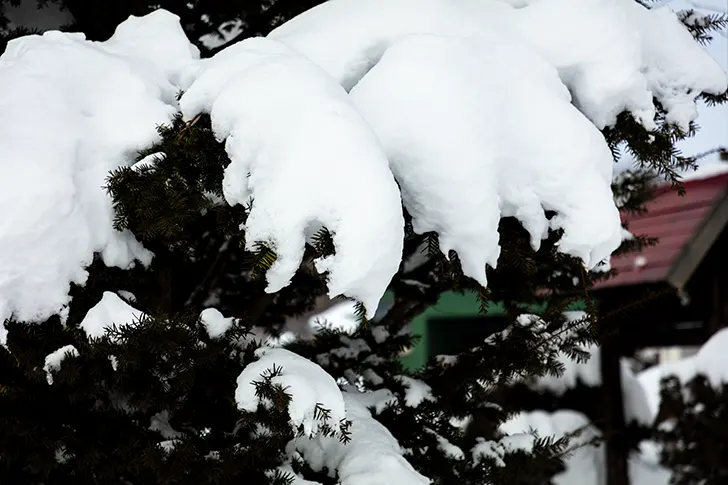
x=692, y=254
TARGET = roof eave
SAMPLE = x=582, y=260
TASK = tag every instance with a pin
x=693, y=253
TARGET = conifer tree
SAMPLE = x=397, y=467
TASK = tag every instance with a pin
x=691, y=429
x=163, y=373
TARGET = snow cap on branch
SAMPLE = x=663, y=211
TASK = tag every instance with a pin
x=371, y=443
x=309, y=386
x=72, y=111
x=109, y=312
x=307, y=159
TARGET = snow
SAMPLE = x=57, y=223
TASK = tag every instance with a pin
x=54, y=359
x=710, y=361
x=215, y=323
x=707, y=171
x=110, y=311
x=73, y=111
x=636, y=400
x=291, y=129
x=150, y=161
x=416, y=391
x=586, y=463
x=371, y=443
x=309, y=386
x=338, y=317
x=407, y=96
x=380, y=333
x=127, y=295
x=496, y=450
x=449, y=449
x=643, y=52
x=160, y=423
x=713, y=120
x=472, y=106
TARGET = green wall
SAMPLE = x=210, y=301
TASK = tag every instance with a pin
x=453, y=305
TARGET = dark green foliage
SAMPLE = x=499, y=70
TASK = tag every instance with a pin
x=692, y=427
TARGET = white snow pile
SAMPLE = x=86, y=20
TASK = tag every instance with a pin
x=711, y=361
x=109, y=312
x=416, y=391
x=586, y=465
x=286, y=121
x=72, y=111
x=215, y=323
x=636, y=402
x=372, y=457
x=473, y=106
x=54, y=359
x=309, y=386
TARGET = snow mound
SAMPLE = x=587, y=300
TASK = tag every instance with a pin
x=309, y=386
x=307, y=159
x=711, y=361
x=72, y=111
x=371, y=444
x=54, y=359
x=215, y=323
x=454, y=159
x=625, y=54
x=110, y=311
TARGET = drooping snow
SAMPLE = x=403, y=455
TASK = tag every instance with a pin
x=306, y=157
x=215, y=323
x=711, y=361
x=505, y=92
x=309, y=386
x=72, y=111
x=54, y=359
x=110, y=311
x=371, y=444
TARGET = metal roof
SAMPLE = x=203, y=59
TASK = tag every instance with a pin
x=686, y=226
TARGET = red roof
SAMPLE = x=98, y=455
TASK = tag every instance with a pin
x=674, y=220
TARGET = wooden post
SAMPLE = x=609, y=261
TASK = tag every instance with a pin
x=614, y=421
